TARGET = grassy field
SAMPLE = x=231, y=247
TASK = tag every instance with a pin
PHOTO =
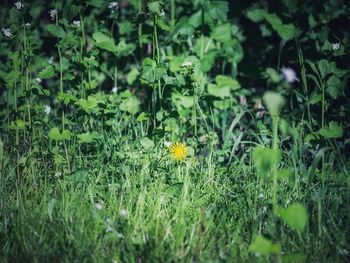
x=129, y=134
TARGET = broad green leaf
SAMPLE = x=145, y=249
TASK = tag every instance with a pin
x=88, y=137
x=295, y=216
x=132, y=76
x=262, y=246
x=182, y=100
x=105, y=42
x=155, y=7
x=147, y=143
x=222, y=33
x=265, y=159
x=293, y=258
x=66, y=98
x=333, y=131
x=57, y=31
x=150, y=72
x=285, y=31
x=218, y=10
x=47, y=73
x=334, y=86
x=218, y=91
x=130, y=104
x=225, y=81
x=256, y=15
x=56, y=135
x=274, y=102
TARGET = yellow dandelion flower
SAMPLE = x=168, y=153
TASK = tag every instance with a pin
x=178, y=151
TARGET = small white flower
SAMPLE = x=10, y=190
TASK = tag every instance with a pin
x=38, y=80
x=6, y=32
x=124, y=213
x=162, y=13
x=28, y=24
x=186, y=64
x=19, y=5
x=167, y=144
x=335, y=46
x=50, y=61
x=261, y=195
x=113, y=6
x=53, y=13
x=58, y=174
x=76, y=23
x=289, y=75
x=98, y=206
x=47, y=109
x=114, y=89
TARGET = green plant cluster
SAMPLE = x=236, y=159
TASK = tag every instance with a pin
x=95, y=95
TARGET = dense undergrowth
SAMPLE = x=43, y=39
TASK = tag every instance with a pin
x=174, y=131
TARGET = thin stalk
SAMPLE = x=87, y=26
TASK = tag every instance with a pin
x=140, y=29
x=172, y=21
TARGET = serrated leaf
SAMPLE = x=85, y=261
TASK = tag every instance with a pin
x=218, y=10
x=333, y=86
x=130, y=104
x=265, y=159
x=256, y=15
x=47, y=73
x=55, y=30
x=105, y=42
x=333, y=131
x=225, y=81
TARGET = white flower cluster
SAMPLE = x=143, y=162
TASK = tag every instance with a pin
x=76, y=23
x=28, y=24
x=113, y=6
x=38, y=80
x=53, y=13
x=162, y=13
x=47, y=109
x=6, y=32
x=186, y=64
x=19, y=5
x=289, y=75
x=114, y=90
x=335, y=46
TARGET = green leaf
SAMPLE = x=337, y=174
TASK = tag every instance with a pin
x=333, y=86
x=295, y=216
x=88, y=137
x=132, y=76
x=50, y=207
x=47, y=73
x=150, y=72
x=174, y=189
x=56, y=135
x=66, y=98
x=218, y=91
x=182, y=100
x=274, y=102
x=222, y=33
x=256, y=15
x=333, y=131
x=225, y=81
x=130, y=104
x=285, y=31
x=218, y=10
x=105, y=42
x=262, y=246
x=18, y=125
x=147, y=143
x=265, y=159
x=155, y=7
x=57, y=31
x=142, y=117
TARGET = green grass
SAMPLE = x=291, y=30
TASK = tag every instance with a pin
x=154, y=209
